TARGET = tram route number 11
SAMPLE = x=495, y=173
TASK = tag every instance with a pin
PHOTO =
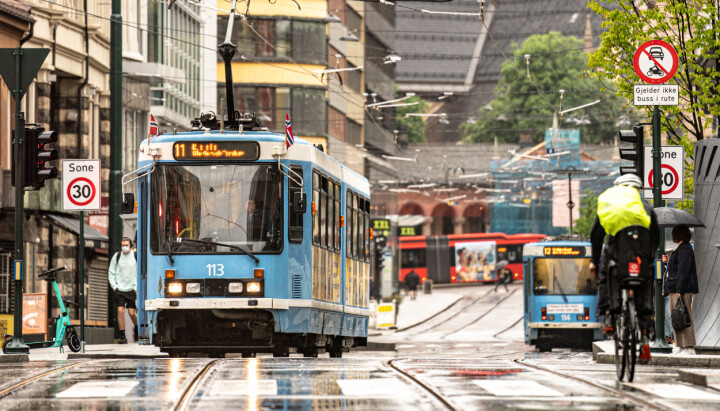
x=215, y=270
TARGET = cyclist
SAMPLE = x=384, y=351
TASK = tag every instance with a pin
x=619, y=207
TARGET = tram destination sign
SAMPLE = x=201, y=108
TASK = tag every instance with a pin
x=564, y=251
x=216, y=150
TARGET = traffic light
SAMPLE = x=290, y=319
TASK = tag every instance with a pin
x=635, y=154
x=379, y=250
x=39, y=155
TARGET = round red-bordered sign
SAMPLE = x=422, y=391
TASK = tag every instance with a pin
x=87, y=199
x=676, y=179
x=655, y=61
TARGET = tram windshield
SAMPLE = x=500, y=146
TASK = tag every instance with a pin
x=563, y=276
x=240, y=206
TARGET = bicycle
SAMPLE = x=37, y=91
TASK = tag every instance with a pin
x=626, y=336
x=63, y=328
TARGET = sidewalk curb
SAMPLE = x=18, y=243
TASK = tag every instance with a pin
x=9, y=358
x=460, y=297
x=376, y=346
x=672, y=360
x=115, y=356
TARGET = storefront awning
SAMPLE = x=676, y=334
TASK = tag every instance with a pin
x=98, y=239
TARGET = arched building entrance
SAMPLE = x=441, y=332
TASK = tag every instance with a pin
x=474, y=219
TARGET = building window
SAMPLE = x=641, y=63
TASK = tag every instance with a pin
x=354, y=78
x=307, y=107
x=303, y=41
x=354, y=133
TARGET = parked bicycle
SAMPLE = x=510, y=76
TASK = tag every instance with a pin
x=63, y=328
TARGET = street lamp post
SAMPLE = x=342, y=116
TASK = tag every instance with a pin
x=570, y=204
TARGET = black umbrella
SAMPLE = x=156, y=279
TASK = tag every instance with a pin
x=670, y=217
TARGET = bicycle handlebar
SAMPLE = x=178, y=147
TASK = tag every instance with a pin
x=52, y=271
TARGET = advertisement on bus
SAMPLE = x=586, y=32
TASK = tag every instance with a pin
x=475, y=261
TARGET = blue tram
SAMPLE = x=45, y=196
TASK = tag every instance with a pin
x=246, y=246
x=560, y=295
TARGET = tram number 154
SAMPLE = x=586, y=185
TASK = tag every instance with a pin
x=565, y=317
x=215, y=270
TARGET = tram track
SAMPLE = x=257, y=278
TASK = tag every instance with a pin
x=439, y=318
x=184, y=401
x=483, y=315
x=509, y=328
x=619, y=393
x=16, y=386
x=406, y=375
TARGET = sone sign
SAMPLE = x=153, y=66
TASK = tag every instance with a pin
x=81, y=185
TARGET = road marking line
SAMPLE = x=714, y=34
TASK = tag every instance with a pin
x=676, y=392
x=239, y=388
x=376, y=387
x=516, y=388
x=98, y=389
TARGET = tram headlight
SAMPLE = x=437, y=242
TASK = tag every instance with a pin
x=235, y=288
x=253, y=287
x=192, y=288
x=174, y=288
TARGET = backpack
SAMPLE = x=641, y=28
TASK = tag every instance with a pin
x=116, y=257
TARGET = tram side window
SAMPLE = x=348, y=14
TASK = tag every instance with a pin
x=316, y=210
x=361, y=229
x=330, y=214
x=323, y=211
x=366, y=231
x=412, y=258
x=337, y=217
x=356, y=226
x=348, y=221
x=295, y=220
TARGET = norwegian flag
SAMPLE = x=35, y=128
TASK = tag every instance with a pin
x=154, y=128
x=289, y=138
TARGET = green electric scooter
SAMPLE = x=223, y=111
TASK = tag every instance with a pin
x=63, y=328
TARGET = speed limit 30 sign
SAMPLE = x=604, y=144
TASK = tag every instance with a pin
x=81, y=185
x=671, y=165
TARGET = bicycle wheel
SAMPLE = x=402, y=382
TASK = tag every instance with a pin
x=617, y=336
x=632, y=342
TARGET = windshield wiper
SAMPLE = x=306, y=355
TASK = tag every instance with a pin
x=168, y=245
x=555, y=281
x=231, y=246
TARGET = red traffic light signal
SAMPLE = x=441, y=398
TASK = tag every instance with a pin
x=38, y=156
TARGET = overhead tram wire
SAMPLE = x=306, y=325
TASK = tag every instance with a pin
x=193, y=44
x=305, y=71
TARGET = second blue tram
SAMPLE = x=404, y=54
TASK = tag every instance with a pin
x=244, y=246
x=560, y=295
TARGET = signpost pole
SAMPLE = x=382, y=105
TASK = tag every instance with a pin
x=659, y=344
x=81, y=268
x=17, y=345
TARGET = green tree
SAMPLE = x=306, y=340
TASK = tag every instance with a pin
x=556, y=63
x=588, y=211
x=691, y=27
x=414, y=125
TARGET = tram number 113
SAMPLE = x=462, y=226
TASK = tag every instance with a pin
x=215, y=270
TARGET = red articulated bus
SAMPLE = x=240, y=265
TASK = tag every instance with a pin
x=463, y=258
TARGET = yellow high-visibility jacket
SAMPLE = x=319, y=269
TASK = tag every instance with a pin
x=620, y=207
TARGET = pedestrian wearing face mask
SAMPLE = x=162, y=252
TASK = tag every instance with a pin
x=122, y=275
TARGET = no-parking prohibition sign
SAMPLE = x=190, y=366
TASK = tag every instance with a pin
x=81, y=185
x=672, y=160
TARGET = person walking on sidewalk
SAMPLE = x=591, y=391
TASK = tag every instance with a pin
x=502, y=274
x=122, y=275
x=412, y=280
x=682, y=282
